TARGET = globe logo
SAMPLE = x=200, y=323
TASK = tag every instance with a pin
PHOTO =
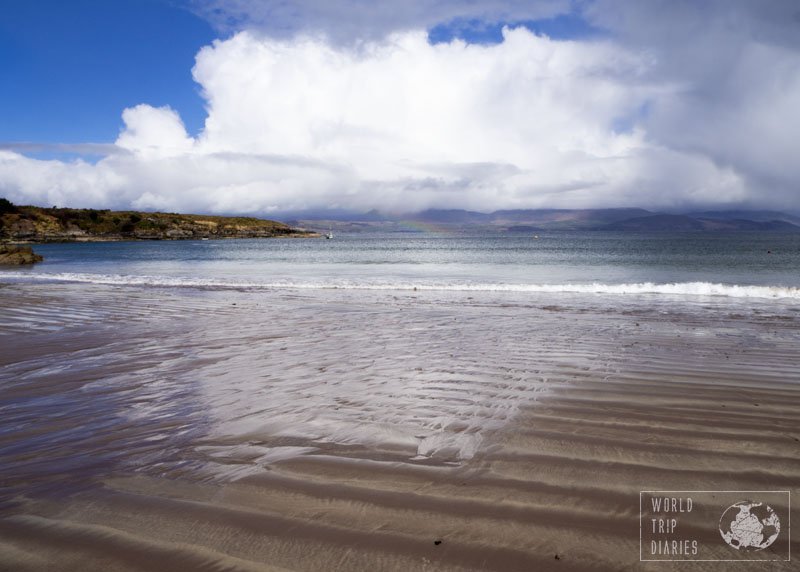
x=749, y=526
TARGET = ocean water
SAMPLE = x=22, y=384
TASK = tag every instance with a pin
x=738, y=265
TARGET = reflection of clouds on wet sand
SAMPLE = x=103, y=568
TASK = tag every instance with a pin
x=414, y=378
x=236, y=428
x=138, y=376
x=83, y=388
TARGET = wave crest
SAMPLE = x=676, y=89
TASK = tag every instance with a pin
x=675, y=288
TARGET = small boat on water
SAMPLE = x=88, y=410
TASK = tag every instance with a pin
x=329, y=234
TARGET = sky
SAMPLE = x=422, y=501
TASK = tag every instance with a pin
x=268, y=107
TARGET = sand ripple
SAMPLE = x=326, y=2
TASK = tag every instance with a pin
x=198, y=429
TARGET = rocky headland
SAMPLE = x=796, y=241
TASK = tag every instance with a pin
x=22, y=224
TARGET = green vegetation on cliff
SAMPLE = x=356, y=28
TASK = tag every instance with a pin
x=38, y=224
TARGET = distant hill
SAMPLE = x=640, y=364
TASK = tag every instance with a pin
x=450, y=216
x=757, y=216
x=657, y=223
x=519, y=220
x=743, y=224
x=686, y=223
x=37, y=224
x=539, y=219
x=564, y=218
x=622, y=219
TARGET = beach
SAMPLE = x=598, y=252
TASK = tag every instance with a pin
x=540, y=309
x=149, y=427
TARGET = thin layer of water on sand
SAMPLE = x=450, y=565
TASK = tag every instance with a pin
x=301, y=428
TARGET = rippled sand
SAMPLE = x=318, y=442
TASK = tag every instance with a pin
x=190, y=429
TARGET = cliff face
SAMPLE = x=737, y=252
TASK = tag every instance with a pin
x=35, y=224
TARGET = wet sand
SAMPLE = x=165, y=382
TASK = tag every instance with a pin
x=190, y=429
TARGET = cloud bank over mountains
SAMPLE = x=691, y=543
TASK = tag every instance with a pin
x=348, y=105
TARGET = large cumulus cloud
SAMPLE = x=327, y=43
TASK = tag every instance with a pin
x=735, y=65
x=677, y=105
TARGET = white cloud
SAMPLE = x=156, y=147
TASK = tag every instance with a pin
x=395, y=123
x=29, y=181
x=152, y=132
x=736, y=66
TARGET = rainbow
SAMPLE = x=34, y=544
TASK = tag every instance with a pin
x=417, y=226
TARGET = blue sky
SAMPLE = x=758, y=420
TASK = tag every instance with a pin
x=265, y=106
x=68, y=68
x=562, y=27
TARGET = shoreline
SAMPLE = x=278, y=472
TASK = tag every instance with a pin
x=296, y=234
x=670, y=292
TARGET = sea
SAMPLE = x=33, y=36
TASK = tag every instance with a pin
x=739, y=265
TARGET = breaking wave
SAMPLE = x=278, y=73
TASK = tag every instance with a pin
x=673, y=289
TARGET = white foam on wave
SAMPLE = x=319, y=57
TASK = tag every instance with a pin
x=672, y=289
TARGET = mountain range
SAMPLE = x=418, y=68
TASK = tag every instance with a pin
x=532, y=220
